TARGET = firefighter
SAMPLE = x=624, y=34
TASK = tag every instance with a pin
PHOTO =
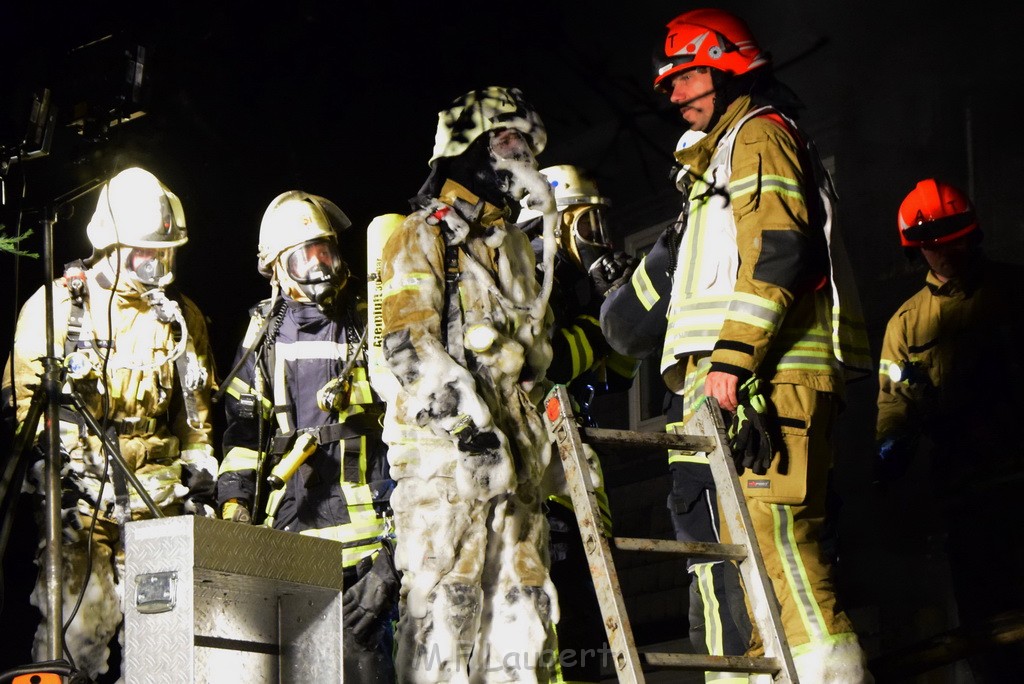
x=587, y=266
x=761, y=316
x=939, y=354
x=302, y=444
x=465, y=333
x=135, y=353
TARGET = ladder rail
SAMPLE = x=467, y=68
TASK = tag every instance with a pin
x=626, y=661
x=736, y=515
x=710, y=439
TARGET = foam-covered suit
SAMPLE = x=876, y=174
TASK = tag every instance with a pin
x=467, y=443
x=128, y=346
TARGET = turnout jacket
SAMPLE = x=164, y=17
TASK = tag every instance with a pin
x=125, y=357
x=950, y=366
x=760, y=284
x=466, y=338
x=340, y=490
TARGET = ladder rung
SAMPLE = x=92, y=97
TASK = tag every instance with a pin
x=652, y=440
x=693, y=661
x=691, y=549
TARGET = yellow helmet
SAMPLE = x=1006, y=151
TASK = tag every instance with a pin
x=293, y=218
x=136, y=210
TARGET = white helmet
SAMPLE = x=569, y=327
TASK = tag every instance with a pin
x=295, y=217
x=581, y=211
x=687, y=139
x=136, y=210
x=479, y=111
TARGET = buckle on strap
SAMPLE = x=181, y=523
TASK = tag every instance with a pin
x=134, y=426
x=324, y=434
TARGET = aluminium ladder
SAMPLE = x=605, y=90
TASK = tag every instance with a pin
x=708, y=436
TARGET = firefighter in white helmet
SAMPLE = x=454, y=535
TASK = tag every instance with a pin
x=587, y=267
x=302, y=444
x=137, y=355
x=465, y=332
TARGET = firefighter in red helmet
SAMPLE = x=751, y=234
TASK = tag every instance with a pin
x=760, y=313
x=947, y=352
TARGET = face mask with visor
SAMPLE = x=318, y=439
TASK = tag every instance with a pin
x=318, y=270
x=151, y=267
x=588, y=232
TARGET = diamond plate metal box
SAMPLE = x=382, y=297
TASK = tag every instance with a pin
x=215, y=601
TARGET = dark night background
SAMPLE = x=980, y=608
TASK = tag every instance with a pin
x=341, y=99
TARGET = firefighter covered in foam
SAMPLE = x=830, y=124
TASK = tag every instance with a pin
x=138, y=356
x=465, y=332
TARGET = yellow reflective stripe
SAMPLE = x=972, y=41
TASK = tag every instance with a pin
x=753, y=310
x=603, y=506
x=579, y=348
x=623, y=365
x=239, y=458
x=237, y=387
x=800, y=587
x=766, y=183
x=409, y=281
x=359, y=540
x=884, y=366
x=644, y=289
x=713, y=629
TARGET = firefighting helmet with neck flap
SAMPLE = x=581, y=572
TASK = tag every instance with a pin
x=479, y=111
x=136, y=211
x=582, y=213
x=707, y=38
x=299, y=231
x=935, y=213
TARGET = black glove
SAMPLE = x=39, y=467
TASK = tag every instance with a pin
x=748, y=434
x=366, y=604
x=202, y=487
x=612, y=270
x=893, y=458
x=474, y=440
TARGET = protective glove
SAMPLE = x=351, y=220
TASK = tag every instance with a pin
x=197, y=474
x=611, y=271
x=235, y=511
x=366, y=604
x=748, y=433
x=893, y=458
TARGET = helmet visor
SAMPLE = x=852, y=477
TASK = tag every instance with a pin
x=316, y=261
x=588, y=225
x=927, y=231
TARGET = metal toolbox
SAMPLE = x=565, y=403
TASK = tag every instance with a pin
x=215, y=601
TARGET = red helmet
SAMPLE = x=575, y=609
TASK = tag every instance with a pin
x=935, y=213
x=709, y=38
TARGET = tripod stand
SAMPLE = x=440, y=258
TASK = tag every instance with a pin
x=46, y=402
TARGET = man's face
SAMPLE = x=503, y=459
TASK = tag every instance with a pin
x=951, y=259
x=151, y=266
x=694, y=93
x=509, y=143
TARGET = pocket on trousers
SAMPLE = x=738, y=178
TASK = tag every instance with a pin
x=786, y=479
